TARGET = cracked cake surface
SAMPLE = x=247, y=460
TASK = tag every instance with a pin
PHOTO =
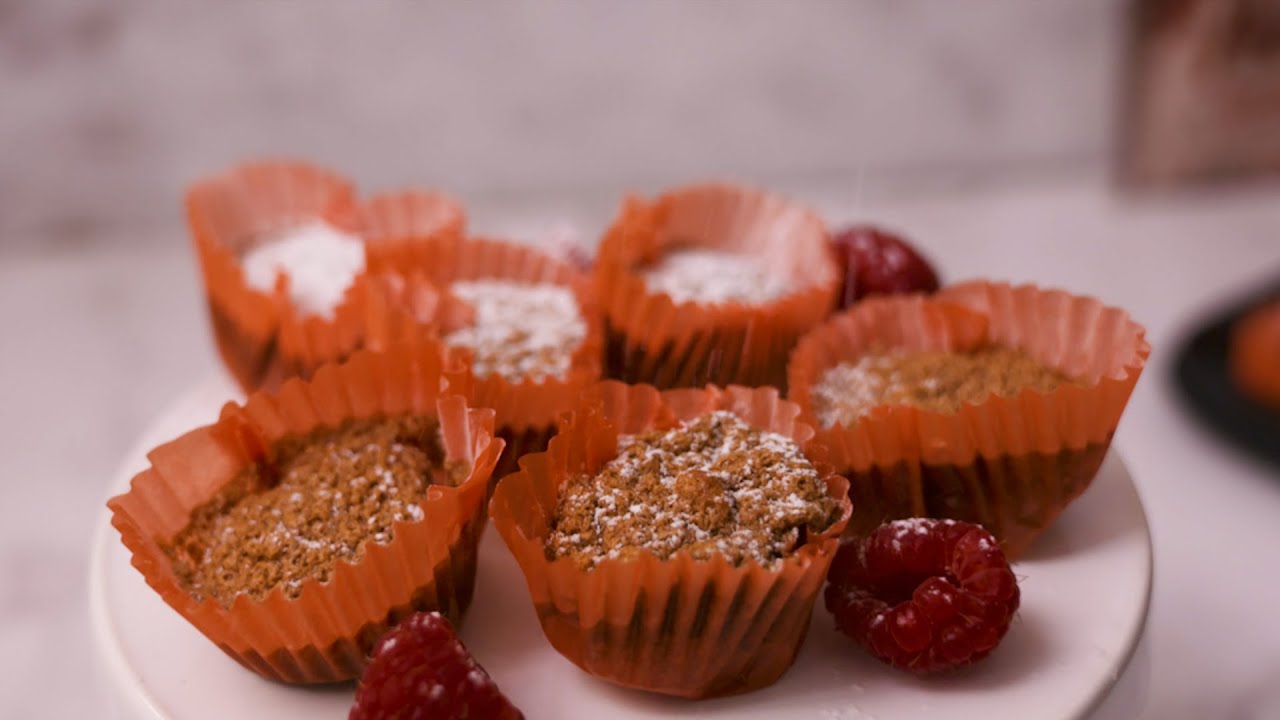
x=316, y=500
x=713, y=486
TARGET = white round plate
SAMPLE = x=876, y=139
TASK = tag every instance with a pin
x=1085, y=592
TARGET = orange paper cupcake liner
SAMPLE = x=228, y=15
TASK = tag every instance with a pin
x=305, y=342
x=520, y=443
x=1010, y=463
x=651, y=339
x=1254, y=354
x=527, y=410
x=226, y=213
x=379, y=311
x=401, y=229
x=682, y=626
x=323, y=634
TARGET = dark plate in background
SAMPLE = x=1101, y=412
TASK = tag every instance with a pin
x=1206, y=387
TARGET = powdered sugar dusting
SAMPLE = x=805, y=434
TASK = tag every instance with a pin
x=902, y=531
x=848, y=391
x=714, y=486
x=303, y=533
x=521, y=330
x=714, y=276
x=319, y=260
x=321, y=500
x=937, y=381
x=917, y=526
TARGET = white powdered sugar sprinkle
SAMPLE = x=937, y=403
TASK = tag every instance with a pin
x=920, y=527
x=713, y=277
x=319, y=260
x=939, y=381
x=848, y=391
x=713, y=486
x=521, y=330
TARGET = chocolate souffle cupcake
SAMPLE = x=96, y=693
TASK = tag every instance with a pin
x=711, y=284
x=285, y=260
x=675, y=542
x=301, y=525
x=987, y=403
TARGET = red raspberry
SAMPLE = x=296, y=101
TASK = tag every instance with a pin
x=923, y=595
x=421, y=670
x=879, y=262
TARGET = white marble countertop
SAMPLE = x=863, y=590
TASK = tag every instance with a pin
x=96, y=342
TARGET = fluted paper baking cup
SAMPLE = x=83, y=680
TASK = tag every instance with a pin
x=325, y=632
x=526, y=410
x=649, y=338
x=226, y=214
x=1009, y=463
x=378, y=311
x=402, y=228
x=684, y=627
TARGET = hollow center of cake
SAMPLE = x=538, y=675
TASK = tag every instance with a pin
x=713, y=277
x=317, y=500
x=937, y=381
x=319, y=260
x=713, y=486
x=521, y=330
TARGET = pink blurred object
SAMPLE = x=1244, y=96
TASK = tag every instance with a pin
x=566, y=242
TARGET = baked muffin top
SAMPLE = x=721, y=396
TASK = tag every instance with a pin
x=521, y=330
x=938, y=381
x=713, y=486
x=315, y=500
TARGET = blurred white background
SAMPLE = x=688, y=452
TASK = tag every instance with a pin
x=110, y=109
